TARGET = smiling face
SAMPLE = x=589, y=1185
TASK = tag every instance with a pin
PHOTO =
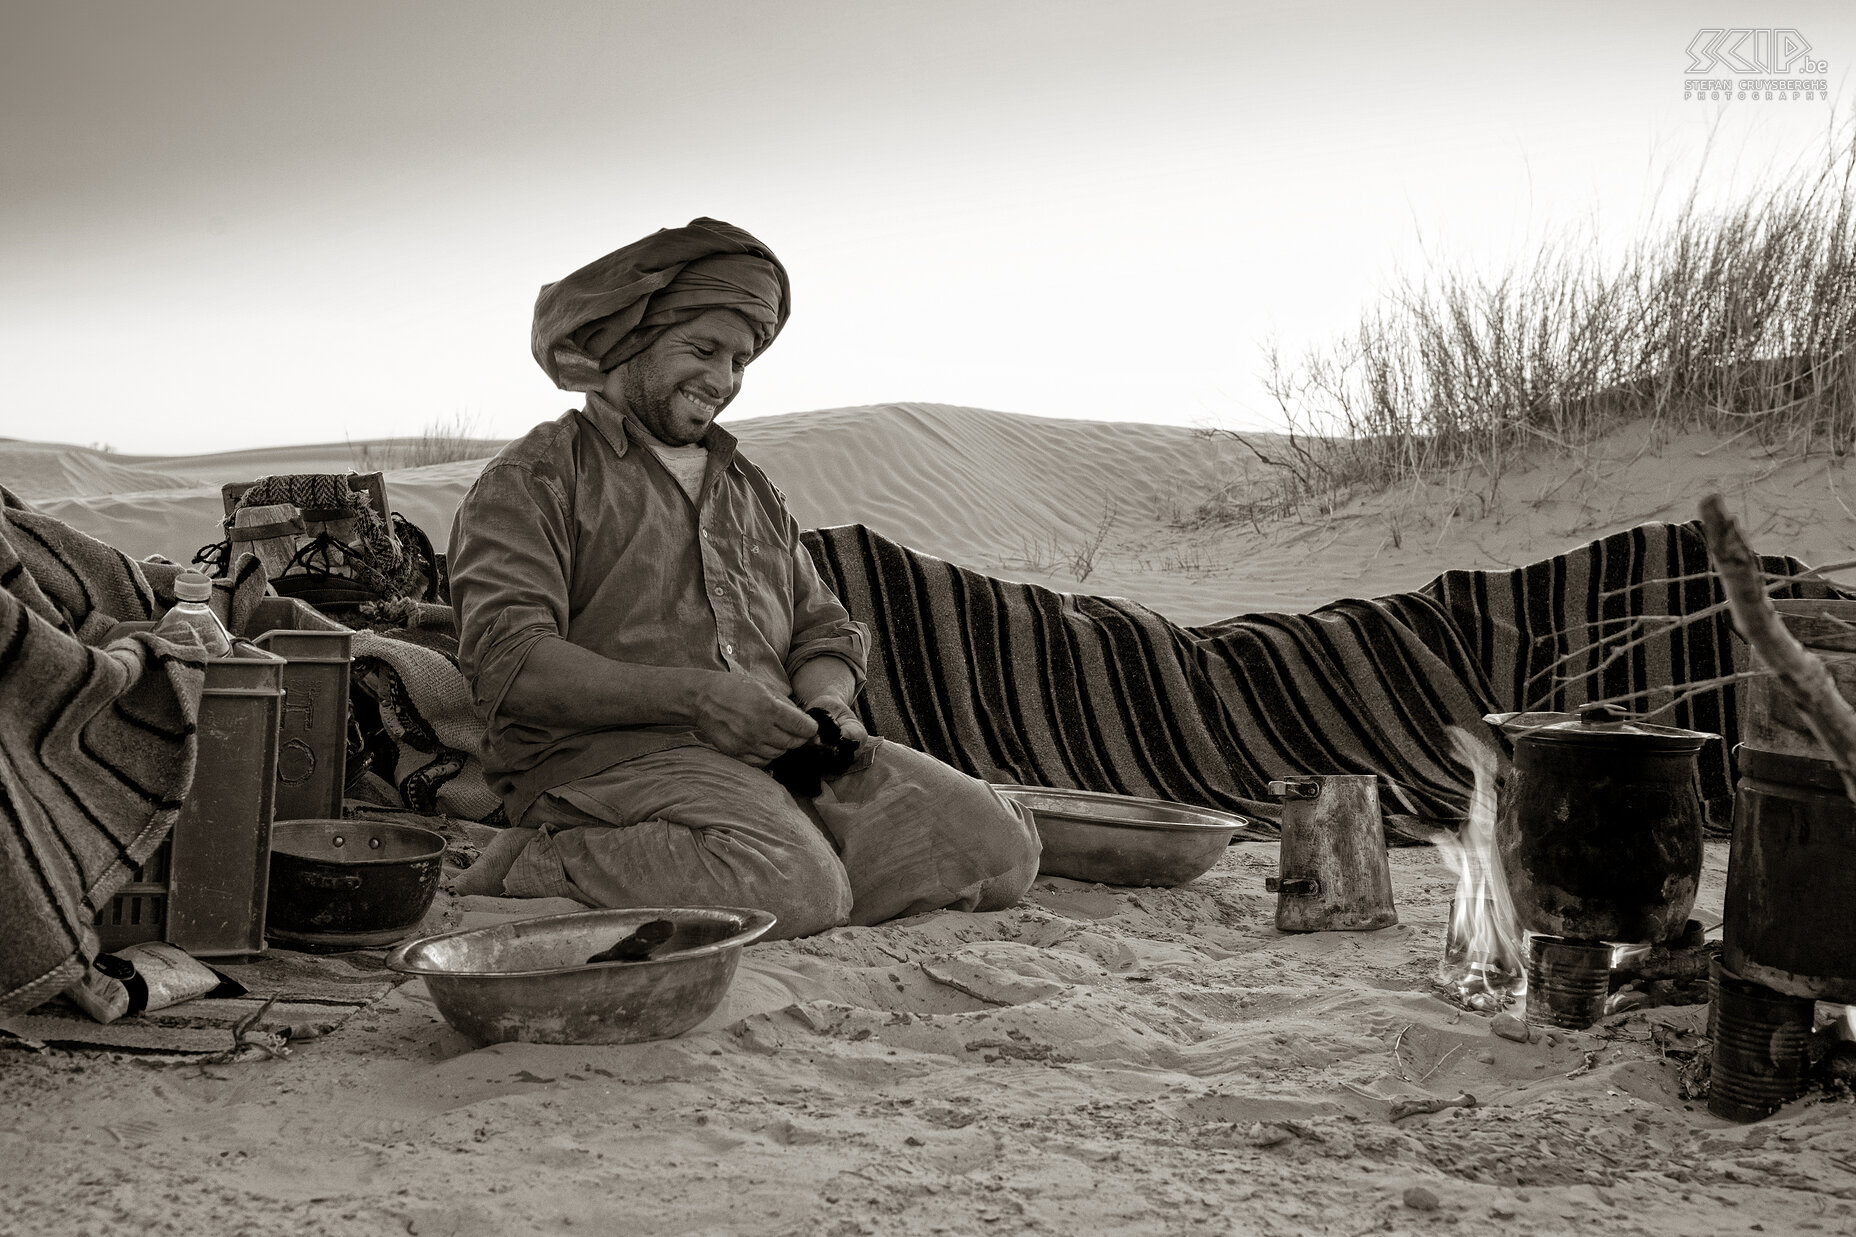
x=678, y=385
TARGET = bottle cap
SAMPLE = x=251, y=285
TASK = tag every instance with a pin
x=192, y=586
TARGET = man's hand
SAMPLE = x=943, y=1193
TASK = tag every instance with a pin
x=848, y=724
x=830, y=684
x=743, y=718
x=849, y=727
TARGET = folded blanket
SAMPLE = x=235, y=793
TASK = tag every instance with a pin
x=96, y=743
x=1016, y=683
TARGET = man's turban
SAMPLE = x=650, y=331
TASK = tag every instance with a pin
x=610, y=310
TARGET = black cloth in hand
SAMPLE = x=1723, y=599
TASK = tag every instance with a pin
x=803, y=770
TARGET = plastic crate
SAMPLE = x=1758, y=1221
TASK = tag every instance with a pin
x=204, y=888
x=312, y=751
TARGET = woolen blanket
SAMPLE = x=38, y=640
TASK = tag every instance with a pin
x=96, y=737
x=1016, y=683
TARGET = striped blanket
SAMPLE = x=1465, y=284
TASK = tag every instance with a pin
x=1016, y=683
x=96, y=737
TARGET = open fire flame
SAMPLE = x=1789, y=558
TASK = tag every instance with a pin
x=1483, y=963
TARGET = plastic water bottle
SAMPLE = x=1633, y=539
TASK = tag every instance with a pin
x=191, y=612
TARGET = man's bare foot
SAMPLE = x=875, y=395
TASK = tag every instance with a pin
x=486, y=875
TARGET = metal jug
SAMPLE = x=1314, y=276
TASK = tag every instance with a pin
x=1332, y=873
x=1600, y=824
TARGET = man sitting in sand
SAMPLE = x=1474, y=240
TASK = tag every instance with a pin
x=644, y=633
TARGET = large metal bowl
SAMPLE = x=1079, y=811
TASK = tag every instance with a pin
x=530, y=980
x=1120, y=839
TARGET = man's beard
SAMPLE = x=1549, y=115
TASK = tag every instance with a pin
x=654, y=403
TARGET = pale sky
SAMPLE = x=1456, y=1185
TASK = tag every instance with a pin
x=226, y=225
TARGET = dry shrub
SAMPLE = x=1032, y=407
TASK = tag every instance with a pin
x=441, y=442
x=1081, y=556
x=1737, y=319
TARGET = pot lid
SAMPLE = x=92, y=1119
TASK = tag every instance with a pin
x=1599, y=725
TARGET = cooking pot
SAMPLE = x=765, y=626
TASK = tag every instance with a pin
x=1600, y=824
x=350, y=884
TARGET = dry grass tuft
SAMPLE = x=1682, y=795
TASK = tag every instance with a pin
x=441, y=442
x=1081, y=556
x=1738, y=320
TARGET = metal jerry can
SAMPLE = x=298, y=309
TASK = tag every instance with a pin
x=1332, y=874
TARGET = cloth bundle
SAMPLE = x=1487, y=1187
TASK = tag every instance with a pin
x=96, y=737
x=419, y=731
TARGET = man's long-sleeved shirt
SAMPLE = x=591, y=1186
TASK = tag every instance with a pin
x=576, y=532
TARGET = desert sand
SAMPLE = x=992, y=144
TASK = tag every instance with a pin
x=1093, y=1060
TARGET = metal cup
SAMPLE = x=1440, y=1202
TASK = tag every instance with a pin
x=1567, y=982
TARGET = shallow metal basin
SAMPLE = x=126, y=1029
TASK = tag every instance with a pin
x=530, y=980
x=1121, y=839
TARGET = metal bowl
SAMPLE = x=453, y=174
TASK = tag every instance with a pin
x=349, y=884
x=1122, y=840
x=530, y=980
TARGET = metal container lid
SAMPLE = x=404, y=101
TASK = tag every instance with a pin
x=1599, y=725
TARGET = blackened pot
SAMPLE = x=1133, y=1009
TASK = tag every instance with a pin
x=350, y=884
x=1600, y=827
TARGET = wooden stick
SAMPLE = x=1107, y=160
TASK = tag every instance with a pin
x=1413, y=1108
x=1799, y=672
x=1665, y=963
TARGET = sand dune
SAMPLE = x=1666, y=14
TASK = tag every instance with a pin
x=178, y=520
x=970, y=485
x=1025, y=498
x=36, y=470
x=1008, y=494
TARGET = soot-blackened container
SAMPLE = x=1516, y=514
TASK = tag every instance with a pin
x=1791, y=873
x=1600, y=825
x=1567, y=982
x=1761, y=1040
